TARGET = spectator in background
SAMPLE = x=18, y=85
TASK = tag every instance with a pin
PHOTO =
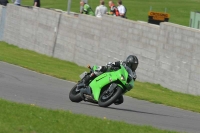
x=122, y=9
x=101, y=9
x=113, y=9
x=18, y=2
x=86, y=9
x=4, y=2
x=36, y=3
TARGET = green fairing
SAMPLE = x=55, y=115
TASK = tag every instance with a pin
x=109, y=77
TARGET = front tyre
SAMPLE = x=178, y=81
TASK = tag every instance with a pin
x=106, y=99
x=74, y=95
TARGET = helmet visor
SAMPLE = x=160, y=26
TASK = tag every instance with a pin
x=134, y=67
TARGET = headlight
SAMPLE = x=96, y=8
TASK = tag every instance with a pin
x=122, y=77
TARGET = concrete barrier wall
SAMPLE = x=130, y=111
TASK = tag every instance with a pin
x=179, y=58
x=31, y=28
x=2, y=21
x=1, y=9
x=169, y=54
x=1, y=32
x=0, y=12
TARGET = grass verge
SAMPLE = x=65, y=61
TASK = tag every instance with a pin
x=20, y=118
x=179, y=10
x=70, y=71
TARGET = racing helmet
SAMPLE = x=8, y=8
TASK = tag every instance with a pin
x=132, y=62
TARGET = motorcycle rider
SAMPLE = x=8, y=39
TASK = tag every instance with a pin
x=131, y=62
x=86, y=9
x=113, y=9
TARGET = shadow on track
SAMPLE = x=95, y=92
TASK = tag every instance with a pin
x=127, y=110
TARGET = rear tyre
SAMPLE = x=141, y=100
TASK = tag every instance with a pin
x=106, y=100
x=74, y=96
x=119, y=100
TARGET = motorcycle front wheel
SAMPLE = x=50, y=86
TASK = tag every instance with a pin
x=107, y=98
x=74, y=96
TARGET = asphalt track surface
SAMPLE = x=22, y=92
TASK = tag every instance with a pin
x=25, y=86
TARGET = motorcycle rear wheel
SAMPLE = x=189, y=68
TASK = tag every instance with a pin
x=103, y=102
x=75, y=96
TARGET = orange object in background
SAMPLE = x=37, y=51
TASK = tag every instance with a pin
x=157, y=17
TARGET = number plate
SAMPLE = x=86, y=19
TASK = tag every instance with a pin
x=83, y=75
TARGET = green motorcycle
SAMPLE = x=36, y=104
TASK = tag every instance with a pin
x=105, y=88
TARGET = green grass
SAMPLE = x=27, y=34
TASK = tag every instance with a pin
x=137, y=9
x=70, y=71
x=40, y=63
x=20, y=118
x=157, y=94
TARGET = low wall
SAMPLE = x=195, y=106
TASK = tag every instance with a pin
x=1, y=32
x=31, y=28
x=2, y=20
x=168, y=54
x=179, y=61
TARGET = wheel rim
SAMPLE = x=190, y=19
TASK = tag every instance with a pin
x=107, y=95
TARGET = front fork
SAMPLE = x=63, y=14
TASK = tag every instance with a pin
x=89, y=77
x=84, y=86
